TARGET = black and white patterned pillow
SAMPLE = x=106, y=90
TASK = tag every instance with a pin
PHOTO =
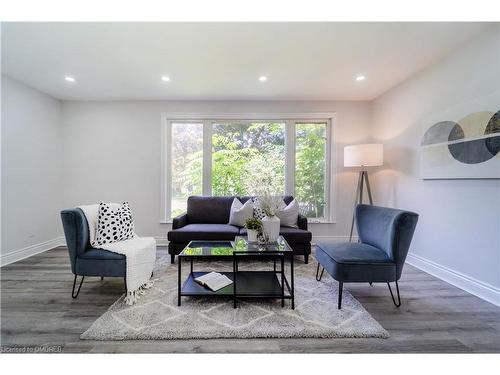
x=114, y=225
x=258, y=213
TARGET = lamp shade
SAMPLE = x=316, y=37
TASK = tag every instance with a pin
x=366, y=155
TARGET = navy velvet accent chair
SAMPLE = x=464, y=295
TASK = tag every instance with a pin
x=85, y=260
x=385, y=235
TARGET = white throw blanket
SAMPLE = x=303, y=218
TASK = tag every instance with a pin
x=140, y=253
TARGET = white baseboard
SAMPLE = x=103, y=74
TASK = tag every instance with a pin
x=14, y=256
x=161, y=241
x=478, y=288
x=315, y=239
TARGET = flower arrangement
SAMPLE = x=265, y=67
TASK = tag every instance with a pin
x=270, y=204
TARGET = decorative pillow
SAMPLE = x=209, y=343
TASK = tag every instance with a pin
x=289, y=215
x=114, y=225
x=258, y=213
x=240, y=212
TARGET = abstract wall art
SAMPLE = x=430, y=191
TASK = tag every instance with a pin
x=468, y=148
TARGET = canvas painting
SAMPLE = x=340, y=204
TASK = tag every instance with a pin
x=463, y=142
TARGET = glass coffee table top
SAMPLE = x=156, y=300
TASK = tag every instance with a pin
x=226, y=248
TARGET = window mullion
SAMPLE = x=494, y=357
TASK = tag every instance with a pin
x=290, y=158
x=207, y=157
x=167, y=181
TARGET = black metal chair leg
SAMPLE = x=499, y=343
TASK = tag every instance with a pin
x=73, y=295
x=125, y=282
x=102, y=278
x=317, y=272
x=392, y=295
x=341, y=287
x=371, y=284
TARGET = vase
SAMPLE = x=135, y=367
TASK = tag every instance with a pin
x=252, y=235
x=271, y=227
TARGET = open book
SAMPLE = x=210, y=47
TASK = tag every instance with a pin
x=214, y=280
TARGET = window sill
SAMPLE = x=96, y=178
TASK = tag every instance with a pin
x=321, y=222
x=308, y=222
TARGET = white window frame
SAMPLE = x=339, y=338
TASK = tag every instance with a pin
x=208, y=119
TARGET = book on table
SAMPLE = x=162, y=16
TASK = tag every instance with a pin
x=214, y=281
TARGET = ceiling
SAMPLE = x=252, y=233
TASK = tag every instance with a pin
x=223, y=61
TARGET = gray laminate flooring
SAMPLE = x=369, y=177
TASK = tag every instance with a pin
x=37, y=311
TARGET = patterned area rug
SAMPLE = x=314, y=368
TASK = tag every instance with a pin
x=156, y=316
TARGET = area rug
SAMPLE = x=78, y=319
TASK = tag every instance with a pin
x=157, y=317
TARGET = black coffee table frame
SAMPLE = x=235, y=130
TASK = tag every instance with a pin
x=246, y=284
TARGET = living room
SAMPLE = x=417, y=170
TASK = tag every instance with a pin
x=250, y=187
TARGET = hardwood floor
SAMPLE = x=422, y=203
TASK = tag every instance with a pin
x=435, y=317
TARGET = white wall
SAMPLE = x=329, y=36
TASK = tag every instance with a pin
x=31, y=171
x=458, y=234
x=112, y=152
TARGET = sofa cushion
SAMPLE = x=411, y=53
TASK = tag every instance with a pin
x=350, y=252
x=291, y=235
x=207, y=232
x=208, y=210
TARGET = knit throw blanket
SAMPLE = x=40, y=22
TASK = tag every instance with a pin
x=140, y=253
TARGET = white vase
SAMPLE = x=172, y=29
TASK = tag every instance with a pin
x=252, y=235
x=271, y=227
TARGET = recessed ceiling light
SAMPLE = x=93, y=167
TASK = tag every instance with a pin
x=360, y=78
x=165, y=78
x=69, y=79
x=263, y=78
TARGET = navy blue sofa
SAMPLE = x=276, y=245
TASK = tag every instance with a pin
x=86, y=260
x=207, y=219
x=385, y=235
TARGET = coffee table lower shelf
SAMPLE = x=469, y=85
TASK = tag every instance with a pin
x=249, y=284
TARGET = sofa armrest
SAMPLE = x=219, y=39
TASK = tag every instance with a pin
x=302, y=222
x=179, y=221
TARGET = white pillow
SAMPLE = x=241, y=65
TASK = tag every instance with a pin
x=240, y=212
x=289, y=215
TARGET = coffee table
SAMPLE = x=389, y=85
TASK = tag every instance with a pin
x=272, y=284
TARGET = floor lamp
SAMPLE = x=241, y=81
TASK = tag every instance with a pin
x=362, y=156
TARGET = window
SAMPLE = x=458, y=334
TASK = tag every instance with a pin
x=245, y=157
x=310, y=168
x=187, y=164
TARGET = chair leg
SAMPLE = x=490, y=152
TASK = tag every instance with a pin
x=306, y=258
x=73, y=295
x=317, y=272
x=102, y=278
x=371, y=284
x=172, y=258
x=392, y=295
x=125, y=282
x=341, y=286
